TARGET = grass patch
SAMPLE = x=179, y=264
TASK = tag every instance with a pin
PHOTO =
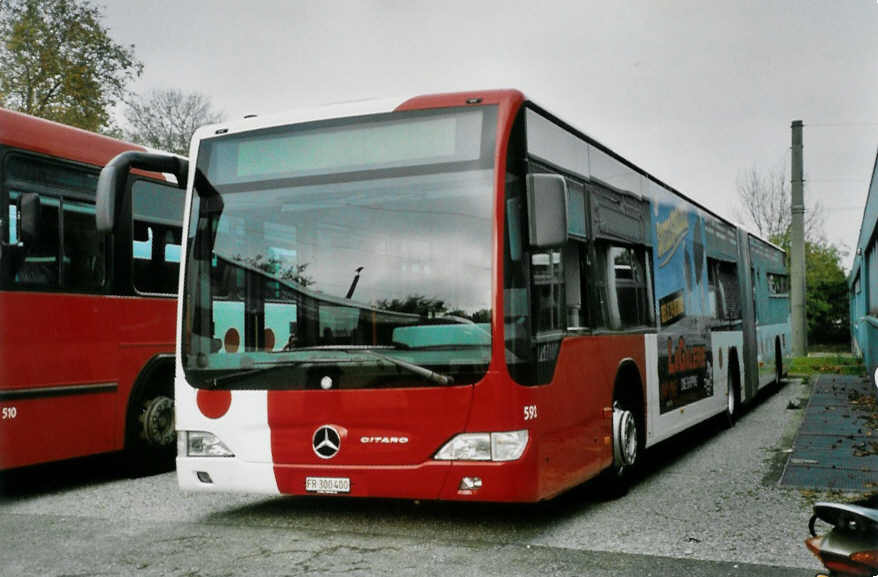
x=837, y=348
x=835, y=364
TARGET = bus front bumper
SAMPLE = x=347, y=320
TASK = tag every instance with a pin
x=444, y=480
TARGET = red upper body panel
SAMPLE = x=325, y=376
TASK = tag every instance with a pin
x=53, y=139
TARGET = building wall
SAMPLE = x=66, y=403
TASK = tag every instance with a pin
x=863, y=282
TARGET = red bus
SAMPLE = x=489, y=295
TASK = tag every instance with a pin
x=86, y=349
x=455, y=296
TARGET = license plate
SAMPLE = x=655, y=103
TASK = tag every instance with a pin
x=328, y=485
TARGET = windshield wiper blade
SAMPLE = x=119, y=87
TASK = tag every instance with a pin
x=411, y=367
x=216, y=381
x=417, y=369
x=370, y=351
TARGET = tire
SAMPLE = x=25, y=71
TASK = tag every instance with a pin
x=628, y=446
x=778, y=364
x=150, y=439
x=733, y=398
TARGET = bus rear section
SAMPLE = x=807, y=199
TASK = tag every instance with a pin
x=87, y=339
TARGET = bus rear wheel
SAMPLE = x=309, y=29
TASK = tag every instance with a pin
x=734, y=394
x=778, y=363
x=731, y=409
x=157, y=421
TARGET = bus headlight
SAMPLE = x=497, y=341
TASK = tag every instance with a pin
x=508, y=446
x=202, y=444
x=502, y=446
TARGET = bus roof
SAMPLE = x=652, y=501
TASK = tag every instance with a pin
x=507, y=97
x=54, y=139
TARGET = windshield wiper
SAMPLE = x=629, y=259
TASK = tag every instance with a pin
x=411, y=367
x=417, y=369
x=216, y=381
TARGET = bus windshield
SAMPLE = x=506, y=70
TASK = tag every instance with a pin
x=352, y=253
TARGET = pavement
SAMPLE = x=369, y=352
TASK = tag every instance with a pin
x=707, y=503
x=836, y=446
x=86, y=547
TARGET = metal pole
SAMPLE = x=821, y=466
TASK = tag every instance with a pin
x=797, y=246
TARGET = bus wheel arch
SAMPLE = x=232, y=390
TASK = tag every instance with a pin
x=150, y=439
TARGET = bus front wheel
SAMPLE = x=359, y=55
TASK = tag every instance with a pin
x=150, y=439
x=627, y=447
x=625, y=439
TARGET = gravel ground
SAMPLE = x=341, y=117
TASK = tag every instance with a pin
x=706, y=495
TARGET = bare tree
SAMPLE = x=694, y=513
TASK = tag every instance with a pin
x=166, y=119
x=764, y=199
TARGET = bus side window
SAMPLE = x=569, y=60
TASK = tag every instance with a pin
x=778, y=284
x=142, y=251
x=157, y=213
x=722, y=278
x=84, y=263
x=156, y=252
x=40, y=264
x=728, y=283
x=575, y=258
x=13, y=224
x=558, y=275
x=623, y=287
x=716, y=306
x=574, y=273
x=547, y=274
x=754, y=280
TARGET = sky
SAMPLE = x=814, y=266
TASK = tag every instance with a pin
x=695, y=92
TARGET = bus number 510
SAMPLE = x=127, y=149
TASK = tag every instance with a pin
x=9, y=413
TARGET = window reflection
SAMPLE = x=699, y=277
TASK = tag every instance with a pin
x=423, y=249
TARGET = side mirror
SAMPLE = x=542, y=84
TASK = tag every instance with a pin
x=547, y=210
x=113, y=177
x=29, y=218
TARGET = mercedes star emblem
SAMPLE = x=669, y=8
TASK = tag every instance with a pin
x=326, y=442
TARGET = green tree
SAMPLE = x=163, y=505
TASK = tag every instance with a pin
x=166, y=119
x=57, y=61
x=826, y=294
x=415, y=304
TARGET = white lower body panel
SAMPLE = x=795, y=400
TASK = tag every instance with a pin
x=661, y=426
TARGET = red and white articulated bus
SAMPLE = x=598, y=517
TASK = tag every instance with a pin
x=455, y=296
x=86, y=319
